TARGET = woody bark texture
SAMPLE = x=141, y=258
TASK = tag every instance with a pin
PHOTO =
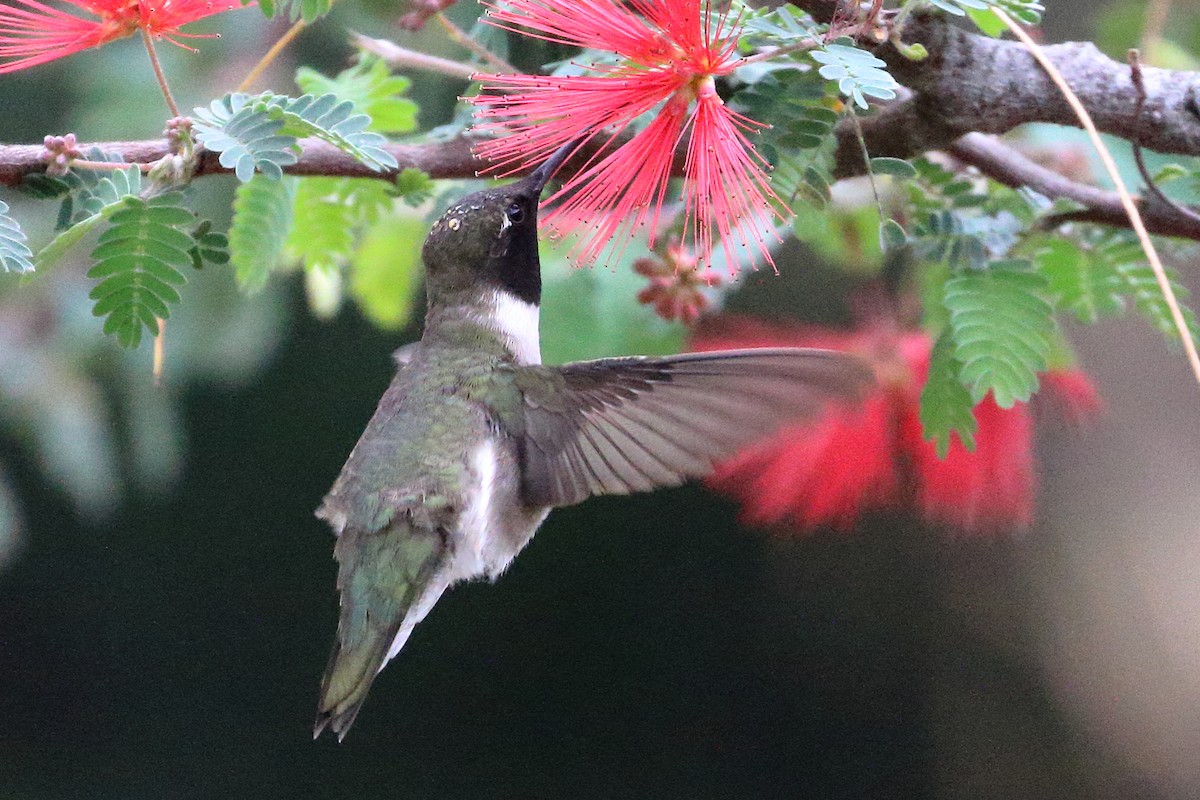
x=973, y=83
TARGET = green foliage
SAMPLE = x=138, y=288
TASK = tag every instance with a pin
x=328, y=215
x=91, y=198
x=138, y=261
x=262, y=216
x=859, y=74
x=1002, y=328
x=800, y=141
x=590, y=312
x=896, y=167
x=1103, y=278
x=942, y=237
x=414, y=186
x=15, y=255
x=1026, y=11
x=308, y=10
x=248, y=139
x=937, y=188
x=845, y=235
x=1142, y=287
x=208, y=246
x=775, y=27
x=260, y=133
x=1080, y=285
x=321, y=235
x=331, y=120
x=372, y=88
x=387, y=270
x=946, y=405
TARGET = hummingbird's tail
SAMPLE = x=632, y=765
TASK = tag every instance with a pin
x=348, y=678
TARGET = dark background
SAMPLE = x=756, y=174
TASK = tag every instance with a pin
x=640, y=647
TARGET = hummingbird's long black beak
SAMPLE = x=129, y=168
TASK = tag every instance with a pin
x=540, y=176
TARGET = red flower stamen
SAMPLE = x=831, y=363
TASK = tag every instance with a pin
x=672, y=51
x=33, y=33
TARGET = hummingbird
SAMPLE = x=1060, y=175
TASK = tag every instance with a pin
x=475, y=440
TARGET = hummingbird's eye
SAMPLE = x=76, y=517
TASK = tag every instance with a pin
x=515, y=212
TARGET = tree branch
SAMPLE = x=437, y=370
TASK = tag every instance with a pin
x=448, y=159
x=1005, y=165
x=969, y=84
x=973, y=83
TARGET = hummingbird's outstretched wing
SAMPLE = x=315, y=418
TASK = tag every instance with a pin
x=621, y=425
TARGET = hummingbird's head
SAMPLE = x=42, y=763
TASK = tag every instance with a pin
x=489, y=240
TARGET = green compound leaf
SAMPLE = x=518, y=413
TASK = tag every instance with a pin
x=328, y=214
x=138, y=261
x=942, y=238
x=15, y=255
x=262, y=217
x=208, y=246
x=1105, y=278
x=1079, y=284
x=372, y=88
x=980, y=11
x=859, y=74
x=1002, y=328
x=414, y=186
x=946, y=405
x=332, y=120
x=92, y=200
x=308, y=10
x=775, y=27
x=322, y=231
x=1142, y=286
x=385, y=272
x=896, y=167
x=248, y=139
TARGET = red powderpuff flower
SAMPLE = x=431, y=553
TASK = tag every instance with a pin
x=671, y=51
x=33, y=33
x=874, y=457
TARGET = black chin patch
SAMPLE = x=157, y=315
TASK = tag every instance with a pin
x=516, y=268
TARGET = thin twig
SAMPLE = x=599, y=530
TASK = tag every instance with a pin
x=1002, y=163
x=767, y=55
x=1139, y=87
x=460, y=37
x=269, y=56
x=402, y=57
x=148, y=40
x=1110, y=167
x=159, y=352
x=83, y=163
x=1157, y=12
x=866, y=160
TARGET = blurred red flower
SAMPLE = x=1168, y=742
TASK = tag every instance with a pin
x=33, y=33
x=670, y=52
x=874, y=457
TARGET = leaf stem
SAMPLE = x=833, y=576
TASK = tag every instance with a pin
x=159, y=352
x=268, y=57
x=113, y=166
x=862, y=143
x=460, y=37
x=1110, y=166
x=767, y=55
x=148, y=40
x=397, y=56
